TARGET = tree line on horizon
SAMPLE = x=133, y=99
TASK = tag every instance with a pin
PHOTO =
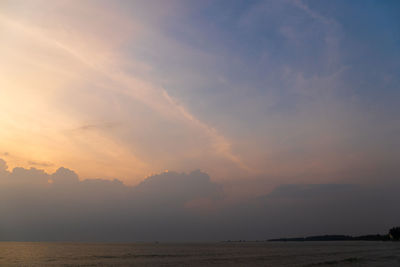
x=392, y=235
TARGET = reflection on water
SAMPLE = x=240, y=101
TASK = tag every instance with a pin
x=351, y=253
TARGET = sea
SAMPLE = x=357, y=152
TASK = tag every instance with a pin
x=314, y=253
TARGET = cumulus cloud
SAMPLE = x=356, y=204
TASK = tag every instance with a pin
x=171, y=206
x=3, y=165
x=36, y=205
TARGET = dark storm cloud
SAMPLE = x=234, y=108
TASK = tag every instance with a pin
x=171, y=206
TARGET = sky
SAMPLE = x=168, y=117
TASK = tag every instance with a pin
x=257, y=96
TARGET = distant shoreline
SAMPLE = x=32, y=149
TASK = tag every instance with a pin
x=376, y=237
x=392, y=235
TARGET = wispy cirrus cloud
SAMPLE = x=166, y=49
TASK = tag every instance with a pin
x=260, y=89
x=83, y=57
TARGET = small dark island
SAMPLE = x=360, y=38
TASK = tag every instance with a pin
x=393, y=235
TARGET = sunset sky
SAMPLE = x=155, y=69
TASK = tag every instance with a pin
x=198, y=120
x=263, y=92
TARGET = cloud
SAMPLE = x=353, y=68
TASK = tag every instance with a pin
x=40, y=206
x=300, y=4
x=288, y=102
x=100, y=126
x=171, y=206
x=40, y=164
x=185, y=187
x=81, y=61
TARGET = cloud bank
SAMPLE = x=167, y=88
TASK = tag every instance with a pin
x=37, y=206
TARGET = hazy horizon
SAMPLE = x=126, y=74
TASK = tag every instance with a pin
x=182, y=207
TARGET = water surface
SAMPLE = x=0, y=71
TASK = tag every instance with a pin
x=327, y=253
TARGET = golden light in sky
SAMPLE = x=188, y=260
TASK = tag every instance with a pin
x=62, y=81
x=122, y=91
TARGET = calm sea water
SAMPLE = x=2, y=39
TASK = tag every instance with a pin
x=351, y=253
